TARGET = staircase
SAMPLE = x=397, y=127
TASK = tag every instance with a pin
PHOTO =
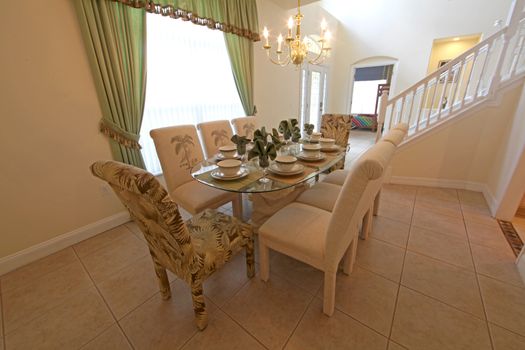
x=476, y=77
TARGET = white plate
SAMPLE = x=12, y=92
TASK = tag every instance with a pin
x=297, y=169
x=333, y=148
x=219, y=156
x=307, y=157
x=218, y=175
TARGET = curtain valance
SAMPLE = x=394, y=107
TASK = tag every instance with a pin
x=238, y=17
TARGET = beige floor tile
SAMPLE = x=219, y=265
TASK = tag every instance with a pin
x=102, y=240
x=506, y=340
x=25, y=303
x=395, y=211
x=496, y=263
x=489, y=236
x=268, y=310
x=297, y=272
x=440, y=223
x=133, y=227
x=474, y=211
x=504, y=304
x=367, y=297
x=128, y=288
x=1, y=319
x=472, y=198
x=114, y=256
x=442, y=247
x=440, y=207
x=424, y=323
x=435, y=193
x=391, y=231
x=395, y=346
x=482, y=218
x=317, y=331
x=222, y=333
x=28, y=273
x=227, y=281
x=452, y=285
x=76, y=321
x=399, y=194
x=111, y=339
x=381, y=258
x=163, y=324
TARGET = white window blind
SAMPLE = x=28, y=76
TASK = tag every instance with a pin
x=189, y=80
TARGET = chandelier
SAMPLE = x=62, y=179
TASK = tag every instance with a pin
x=297, y=48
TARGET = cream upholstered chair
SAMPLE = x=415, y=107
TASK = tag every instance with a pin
x=179, y=149
x=215, y=134
x=192, y=250
x=245, y=126
x=318, y=237
x=337, y=127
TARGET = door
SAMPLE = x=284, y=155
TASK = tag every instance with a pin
x=313, y=94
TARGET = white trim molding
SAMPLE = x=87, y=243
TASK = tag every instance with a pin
x=446, y=183
x=40, y=250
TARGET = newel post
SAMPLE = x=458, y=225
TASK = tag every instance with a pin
x=382, y=114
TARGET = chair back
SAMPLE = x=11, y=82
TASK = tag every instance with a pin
x=354, y=200
x=337, y=127
x=178, y=149
x=154, y=212
x=245, y=126
x=215, y=134
x=396, y=134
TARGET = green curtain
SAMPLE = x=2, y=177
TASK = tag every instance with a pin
x=115, y=38
x=240, y=51
x=238, y=17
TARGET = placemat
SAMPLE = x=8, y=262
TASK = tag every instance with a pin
x=232, y=185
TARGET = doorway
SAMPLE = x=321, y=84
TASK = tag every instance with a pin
x=313, y=94
x=366, y=85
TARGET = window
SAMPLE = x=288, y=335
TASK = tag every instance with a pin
x=189, y=80
x=364, y=92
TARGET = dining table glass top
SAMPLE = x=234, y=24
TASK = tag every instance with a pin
x=205, y=171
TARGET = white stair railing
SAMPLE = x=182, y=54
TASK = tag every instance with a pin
x=464, y=82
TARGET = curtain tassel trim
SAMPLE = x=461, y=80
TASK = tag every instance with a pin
x=170, y=11
x=124, y=138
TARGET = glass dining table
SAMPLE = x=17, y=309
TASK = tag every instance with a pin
x=267, y=197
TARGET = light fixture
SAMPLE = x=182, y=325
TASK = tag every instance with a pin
x=297, y=47
x=456, y=39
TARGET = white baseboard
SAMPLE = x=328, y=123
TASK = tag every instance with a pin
x=38, y=251
x=446, y=183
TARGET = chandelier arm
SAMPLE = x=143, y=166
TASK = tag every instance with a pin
x=278, y=61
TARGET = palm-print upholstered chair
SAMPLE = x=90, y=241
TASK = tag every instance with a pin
x=214, y=135
x=337, y=127
x=319, y=237
x=245, y=126
x=179, y=149
x=192, y=250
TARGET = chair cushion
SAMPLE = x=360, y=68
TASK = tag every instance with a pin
x=322, y=195
x=195, y=197
x=337, y=177
x=216, y=237
x=298, y=230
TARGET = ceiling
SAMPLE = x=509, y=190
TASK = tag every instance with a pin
x=291, y=4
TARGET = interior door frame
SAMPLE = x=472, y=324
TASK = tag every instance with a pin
x=305, y=98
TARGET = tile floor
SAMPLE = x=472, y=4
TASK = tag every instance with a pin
x=435, y=274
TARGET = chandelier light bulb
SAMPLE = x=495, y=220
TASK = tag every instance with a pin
x=324, y=25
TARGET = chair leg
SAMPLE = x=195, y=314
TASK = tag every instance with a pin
x=250, y=258
x=199, y=306
x=349, y=260
x=367, y=224
x=264, y=261
x=376, y=203
x=164, y=283
x=237, y=206
x=329, y=293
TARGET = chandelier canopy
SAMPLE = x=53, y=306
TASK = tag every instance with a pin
x=297, y=47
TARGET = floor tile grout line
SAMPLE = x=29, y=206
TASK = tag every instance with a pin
x=107, y=306
x=402, y=269
x=477, y=281
x=298, y=322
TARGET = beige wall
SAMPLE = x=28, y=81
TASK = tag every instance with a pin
x=49, y=131
x=447, y=50
x=470, y=150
